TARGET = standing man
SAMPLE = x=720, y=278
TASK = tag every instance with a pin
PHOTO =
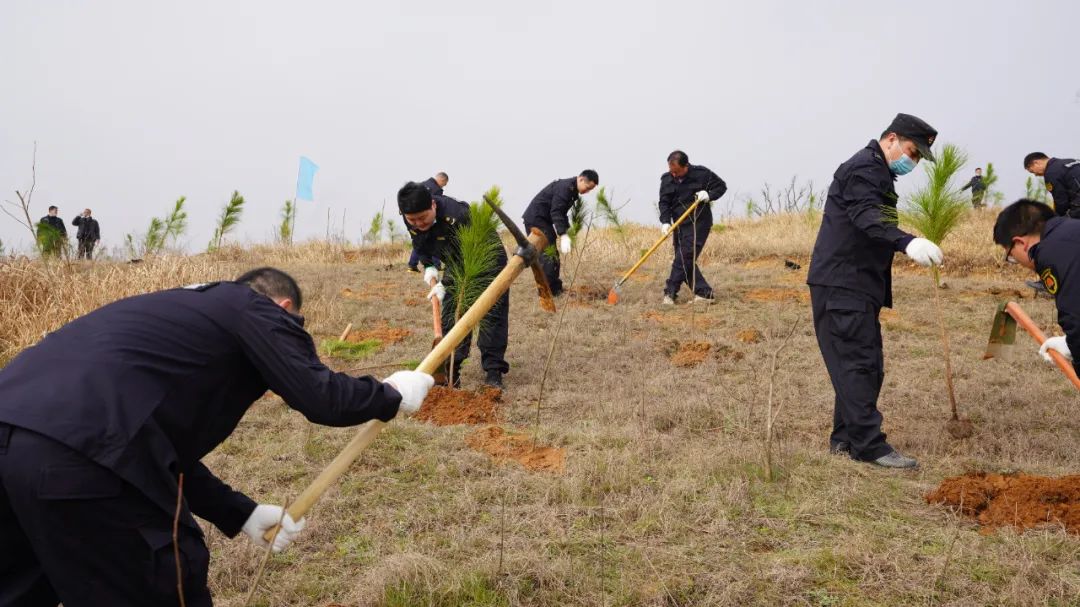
x=1062, y=176
x=680, y=187
x=52, y=233
x=850, y=279
x=88, y=235
x=433, y=221
x=978, y=189
x=548, y=212
x=90, y=467
x=434, y=185
x=1038, y=240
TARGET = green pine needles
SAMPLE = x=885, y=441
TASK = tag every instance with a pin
x=935, y=209
x=472, y=266
x=288, y=222
x=229, y=219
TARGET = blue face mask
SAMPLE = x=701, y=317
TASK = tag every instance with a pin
x=902, y=165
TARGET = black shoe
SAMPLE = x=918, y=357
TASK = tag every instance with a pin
x=894, y=459
x=493, y=379
x=840, y=448
x=414, y=269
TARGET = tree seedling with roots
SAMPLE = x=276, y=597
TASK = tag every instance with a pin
x=935, y=210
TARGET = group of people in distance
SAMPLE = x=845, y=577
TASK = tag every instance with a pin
x=52, y=233
x=155, y=382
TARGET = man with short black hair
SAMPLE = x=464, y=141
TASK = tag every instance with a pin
x=52, y=233
x=434, y=185
x=850, y=280
x=1062, y=177
x=1034, y=237
x=548, y=212
x=92, y=467
x=978, y=188
x=88, y=235
x=433, y=221
x=680, y=187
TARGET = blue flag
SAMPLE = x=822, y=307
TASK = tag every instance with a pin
x=306, y=179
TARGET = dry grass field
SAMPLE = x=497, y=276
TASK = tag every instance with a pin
x=665, y=498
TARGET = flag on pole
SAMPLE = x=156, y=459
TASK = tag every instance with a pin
x=305, y=179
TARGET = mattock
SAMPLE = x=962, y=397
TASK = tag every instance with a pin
x=527, y=254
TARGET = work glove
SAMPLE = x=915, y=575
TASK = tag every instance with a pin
x=665, y=227
x=430, y=274
x=438, y=291
x=923, y=252
x=702, y=196
x=564, y=244
x=263, y=518
x=1055, y=343
x=413, y=387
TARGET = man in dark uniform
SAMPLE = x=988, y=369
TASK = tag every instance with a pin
x=434, y=185
x=1062, y=177
x=52, y=233
x=548, y=212
x=88, y=235
x=433, y=221
x=680, y=186
x=850, y=279
x=1038, y=240
x=90, y=463
x=978, y=189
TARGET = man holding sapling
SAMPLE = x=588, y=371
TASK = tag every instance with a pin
x=434, y=185
x=434, y=222
x=681, y=186
x=1062, y=177
x=850, y=279
x=549, y=212
x=94, y=468
x=1034, y=237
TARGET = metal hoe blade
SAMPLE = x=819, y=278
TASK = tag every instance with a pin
x=1002, y=334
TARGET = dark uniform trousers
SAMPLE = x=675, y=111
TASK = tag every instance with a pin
x=688, y=240
x=73, y=531
x=494, y=329
x=849, y=335
x=549, y=257
x=86, y=249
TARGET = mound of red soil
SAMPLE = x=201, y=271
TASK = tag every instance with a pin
x=1019, y=500
x=690, y=354
x=750, y=336
x=588, y=293
x=518, y=447
x=384, y=333
x=447, y=406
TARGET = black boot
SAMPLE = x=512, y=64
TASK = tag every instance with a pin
x=493, y=379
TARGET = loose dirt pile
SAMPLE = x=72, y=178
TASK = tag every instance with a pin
x=586, y=293
x=777, y=294
x=1019, y=500
x=447, y=406
x=518, y=447
x=383, y=333
x=690, y=354
x=750, y=336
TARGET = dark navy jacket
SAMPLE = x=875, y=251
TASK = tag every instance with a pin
x=439, y=241
x=1057, y=260
x=1063, y=180
x=432, y=186
x=56, y=223
x=550, y=208
x=148, y=385
x=855, y=246
x=88, y=228
x=676, y=195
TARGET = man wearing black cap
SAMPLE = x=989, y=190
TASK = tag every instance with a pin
x=1038, y=240
x=433, y=221
x=434, y=185
x=1062, y=176
x=549, y=211
x=680, y=187
x=850, y=280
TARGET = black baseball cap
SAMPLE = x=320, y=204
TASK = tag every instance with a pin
x=917, y=130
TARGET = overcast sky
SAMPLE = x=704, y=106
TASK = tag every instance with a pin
x=134, y=103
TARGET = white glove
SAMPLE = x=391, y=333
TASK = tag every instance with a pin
x=430, y=274
x=702, y=196
x=1055, y=343
x=564, y=244
x=664, y=227
x=923, y=252
x=263, y=519
x=413, y=387
x=438, y=291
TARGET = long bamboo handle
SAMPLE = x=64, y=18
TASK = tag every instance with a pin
x=367, y=433
x=1025, y=321
x=656, y=245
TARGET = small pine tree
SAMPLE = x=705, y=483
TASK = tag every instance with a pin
x=175, y=223
x=990, y=180
x=288, y=221
x=1035, y=189
x=229, y=219
x=154, y=239
x=374, y=232
x=577, y=218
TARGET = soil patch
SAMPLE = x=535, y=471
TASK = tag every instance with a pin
x=587, y=293
x=374, y=290
x=383, y=333
x=679, y=318
x=518, y=447
x=447, y=406
x=1015, y=500
x=690, y=354
x=777, y=294
x=725, y=353
x=414, y=301
x=750, y=336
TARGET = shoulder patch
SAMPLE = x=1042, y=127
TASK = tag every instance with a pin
x=1050, y=281
x=1049, y=187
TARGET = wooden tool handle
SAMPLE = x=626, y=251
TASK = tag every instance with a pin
x=1025, y=321
x=436, y=312
x=656, y=246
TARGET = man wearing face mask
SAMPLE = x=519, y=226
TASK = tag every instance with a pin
x=850, y=279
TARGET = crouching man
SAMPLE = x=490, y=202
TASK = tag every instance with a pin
x=99, y=420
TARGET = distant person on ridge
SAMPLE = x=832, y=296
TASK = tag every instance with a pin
x=680, y=187
x=548, y=212
x=88, y=234
x=978, y=189
x=52, y=233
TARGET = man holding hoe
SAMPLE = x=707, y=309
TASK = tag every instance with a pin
x=680, y=187
x=548, y=213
